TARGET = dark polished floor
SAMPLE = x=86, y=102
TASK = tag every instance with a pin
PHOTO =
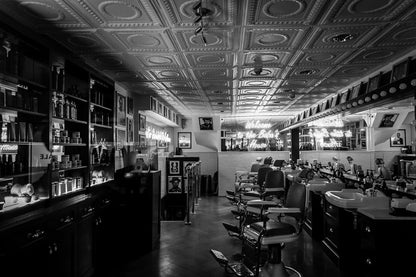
x=184, y=249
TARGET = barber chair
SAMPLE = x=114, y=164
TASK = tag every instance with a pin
x=279, y=163
x=272, y=189
x=263, y=241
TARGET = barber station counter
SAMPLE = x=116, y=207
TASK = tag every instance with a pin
x=230, y=162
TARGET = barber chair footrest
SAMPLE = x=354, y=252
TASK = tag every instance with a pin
x=240, y=270
x=279, y=270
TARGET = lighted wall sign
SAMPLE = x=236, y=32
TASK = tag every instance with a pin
x=327, y=122
x=154, y=134
x=8, y=148
x=257, y=125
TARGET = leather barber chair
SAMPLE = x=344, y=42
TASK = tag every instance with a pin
x=284, y=226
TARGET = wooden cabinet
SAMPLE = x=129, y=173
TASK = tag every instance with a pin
x=340, y=232
x=61, y=246
x=382, y=243
x=315, y=215
x=85, y=226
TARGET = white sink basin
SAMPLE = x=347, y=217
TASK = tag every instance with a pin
x=353, y=199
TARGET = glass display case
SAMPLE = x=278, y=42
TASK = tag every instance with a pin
x=102, y=147
x=24, y=154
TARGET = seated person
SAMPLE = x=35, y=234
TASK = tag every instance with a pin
x=256, y=165
x=382, y=171
x=267, y=162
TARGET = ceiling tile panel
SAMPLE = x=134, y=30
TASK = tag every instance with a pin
x=181, y=13
x=216, y=40
x=403, y=34
x=144, y=40
x=342, y=36
x=120, y=14
x=272, y=59
x=165, y=60
x=288, y=12
x=358, y=11
x=273, y=38
x=210, y=59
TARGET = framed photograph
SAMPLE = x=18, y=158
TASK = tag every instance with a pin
x=130, y=131
x=121, y=110
x=400, y=70
x=334, y=101
x=174, y=167
x=153, y=104
x=142, y=141
x=344, y=97
x=160, y=108
x=388, y=120
x=355, y=91
x=205, y=123
x=129, y=106
x=120, y=139
x=373, y=83
x=398, y=139
x=174, y=184
x=185, y=140
x=186, y=165
x=142, y=122
x=162, y=144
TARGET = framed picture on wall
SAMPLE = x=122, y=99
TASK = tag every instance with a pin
x=185, y=140
x=355, y=91
x=130, y=131
x=142, y=141
x=129, y=106
x=162, y=144
x=373, y=83
x=388, y=120
x=174, y=167
x=142, y=122
x=174, y=184
x=121, y=110
x=398, y=139
x=205, y=123
x=400, y=70
x=120, y=139
x=186, y=166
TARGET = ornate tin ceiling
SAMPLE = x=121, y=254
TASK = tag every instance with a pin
x=269, y=58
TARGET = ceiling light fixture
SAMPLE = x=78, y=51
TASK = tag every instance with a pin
x=200, y=12
x=342, y=38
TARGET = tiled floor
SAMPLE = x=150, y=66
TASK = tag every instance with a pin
x=184, y=249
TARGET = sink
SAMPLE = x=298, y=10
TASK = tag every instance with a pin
x=353, y=199
x=324, y=185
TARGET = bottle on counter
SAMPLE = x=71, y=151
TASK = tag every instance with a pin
x=67, y=109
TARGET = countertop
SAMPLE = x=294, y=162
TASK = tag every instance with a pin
x=383, y=214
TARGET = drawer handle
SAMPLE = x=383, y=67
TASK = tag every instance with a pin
x=331, y=230
x=37, y=234
x=367, y=229
x=98, y=221
x=368, y=261
x=106, y=201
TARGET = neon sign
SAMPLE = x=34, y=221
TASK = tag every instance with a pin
x=257, y=125
x=154, y=134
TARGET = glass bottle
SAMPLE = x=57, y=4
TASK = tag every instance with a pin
x=67, y=109
x=60, y=106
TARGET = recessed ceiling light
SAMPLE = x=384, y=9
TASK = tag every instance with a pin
x=221, y=111
x=217, y=91
x=277, y=101
x=342, y=38
x=219, y=103
x=306, y=72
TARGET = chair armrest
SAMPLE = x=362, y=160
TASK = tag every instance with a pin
x=273, y=189
x=260, y=203
x=283, y=210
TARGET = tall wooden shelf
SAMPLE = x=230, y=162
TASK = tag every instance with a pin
x=70, y=110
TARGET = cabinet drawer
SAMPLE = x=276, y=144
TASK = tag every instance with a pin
x=331, y=231
x=20, y=237
x=367, y=235
x=331, y=210
x=62, y=219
